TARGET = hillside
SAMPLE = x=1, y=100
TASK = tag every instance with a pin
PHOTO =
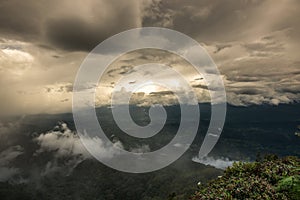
x=268, y=178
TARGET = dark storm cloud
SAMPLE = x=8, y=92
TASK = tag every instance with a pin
x=203, y=18
x=83, y=31
x=21, y=18
x=222, y=21
x=78, y=25
x=75, y=33
x=70, y=25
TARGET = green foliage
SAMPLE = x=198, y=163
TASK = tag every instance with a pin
x=291, y=186
x=269, y=178
x=91, y=180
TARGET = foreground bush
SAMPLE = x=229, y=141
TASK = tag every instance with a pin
x=270, y=178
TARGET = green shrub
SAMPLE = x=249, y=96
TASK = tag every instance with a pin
x=291, y=186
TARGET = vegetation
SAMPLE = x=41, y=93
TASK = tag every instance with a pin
x=267, y=178
x=91, y=180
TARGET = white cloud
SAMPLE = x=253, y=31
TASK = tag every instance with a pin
x=68, y=150
x=18, y=56
x=62, y=141
x=220, y=163
x=66, y=147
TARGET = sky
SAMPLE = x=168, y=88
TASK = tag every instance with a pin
x=254, y=43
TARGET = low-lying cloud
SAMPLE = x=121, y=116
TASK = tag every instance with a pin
x=220, y=163
x=7, y=170
x=62, y=141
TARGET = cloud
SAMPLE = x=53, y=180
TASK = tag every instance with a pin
x=64, y=145
x=27, y=75
x=60, y=87
x=62, y=141
x=42, y=45
x=265, y=55
x=21, y=17
x=258, y=71
x=57, y=151
x=120, y=71
x=156, y=14
x=206, y=19
x=68, y=150
x=11, y=132
x=10, y=154
x=71, y=25
x=220, y=163
x=7, y=171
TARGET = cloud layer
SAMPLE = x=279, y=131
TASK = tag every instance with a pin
x=42, y=44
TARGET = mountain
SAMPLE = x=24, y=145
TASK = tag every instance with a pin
x=42, y=156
